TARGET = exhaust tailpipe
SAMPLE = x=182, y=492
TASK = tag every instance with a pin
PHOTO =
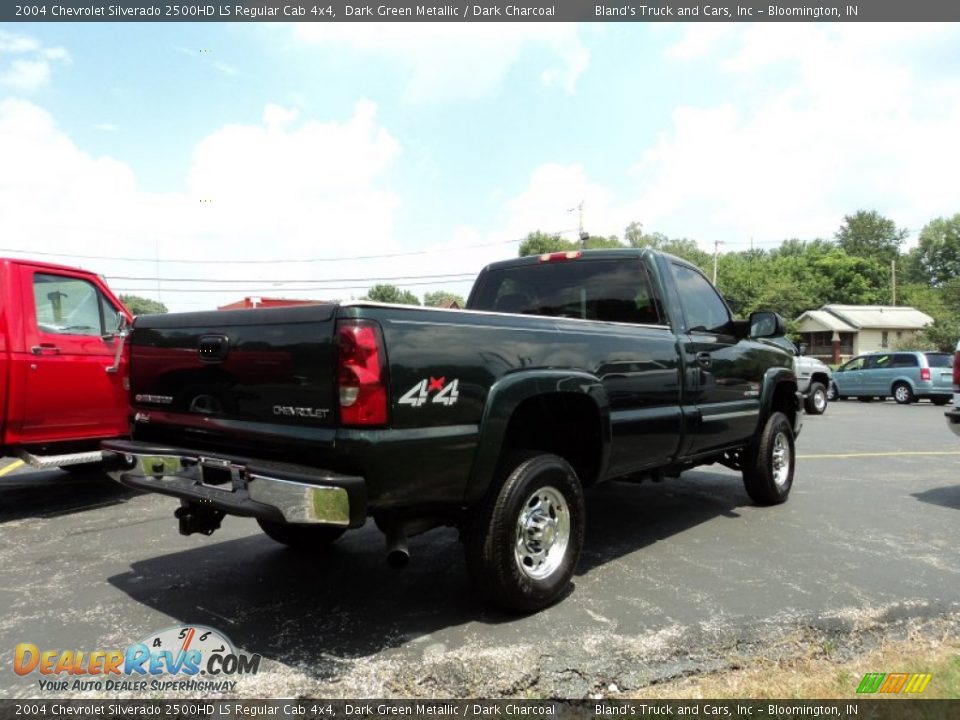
x=398, y=554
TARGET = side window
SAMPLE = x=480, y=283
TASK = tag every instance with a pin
x=879, y=362
x=704, y=309
x=111, y=316
x=66, y=305
x=905, y=360
x=855, y=364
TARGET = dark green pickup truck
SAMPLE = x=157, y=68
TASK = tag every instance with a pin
x=565, y=369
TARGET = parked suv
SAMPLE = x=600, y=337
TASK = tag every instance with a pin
x=907, y=375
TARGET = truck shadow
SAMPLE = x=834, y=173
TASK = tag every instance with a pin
x=52, y=493
x=320, y=612
x=948, y=496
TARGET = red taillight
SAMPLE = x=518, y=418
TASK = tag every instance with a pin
x=956, y=372
x=361, y=374
x=924, y=374
x=564, y=255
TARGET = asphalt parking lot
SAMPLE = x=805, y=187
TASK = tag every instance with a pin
x=673, y=576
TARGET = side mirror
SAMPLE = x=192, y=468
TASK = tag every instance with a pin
x=766, y=324
x=803, y=348
x=123, y=329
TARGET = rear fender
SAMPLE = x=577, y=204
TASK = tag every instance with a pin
x=506, y=395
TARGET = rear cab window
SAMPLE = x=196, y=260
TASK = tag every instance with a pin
x=614, y=290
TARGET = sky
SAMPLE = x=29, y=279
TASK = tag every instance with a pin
x=197, y=164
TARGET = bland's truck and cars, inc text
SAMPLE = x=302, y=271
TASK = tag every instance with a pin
x=565, y=370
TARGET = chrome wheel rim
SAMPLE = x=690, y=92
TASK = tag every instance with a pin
x=543, y=533
x=781, y=459
x=903, y=394
x=820, y=400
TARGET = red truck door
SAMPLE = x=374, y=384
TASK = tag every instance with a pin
x=70, y=328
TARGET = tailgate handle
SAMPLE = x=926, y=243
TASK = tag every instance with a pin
x=213, y=348
x=45, y=349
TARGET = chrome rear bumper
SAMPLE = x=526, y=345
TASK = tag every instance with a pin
x=242, y=486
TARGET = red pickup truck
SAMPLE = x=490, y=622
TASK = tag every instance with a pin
x=63, y=375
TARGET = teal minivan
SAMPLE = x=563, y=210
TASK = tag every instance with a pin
x=907, y=376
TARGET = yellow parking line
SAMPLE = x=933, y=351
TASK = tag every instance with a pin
x=876, y=454
x=11, y=467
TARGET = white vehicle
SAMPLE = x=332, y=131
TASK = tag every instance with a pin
x=953, y=416
x=814, y=378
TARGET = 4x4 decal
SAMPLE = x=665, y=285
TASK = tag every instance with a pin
x=447, y=394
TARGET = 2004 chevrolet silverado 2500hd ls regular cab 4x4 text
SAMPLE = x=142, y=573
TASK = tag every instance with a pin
x=62, y=375
x=566, y=369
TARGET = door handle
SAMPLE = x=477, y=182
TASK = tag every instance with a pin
x=704, y=360
x=45, y=349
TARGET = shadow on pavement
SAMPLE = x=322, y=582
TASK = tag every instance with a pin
x=312, y=611
x=948, y=496
x=51, y=493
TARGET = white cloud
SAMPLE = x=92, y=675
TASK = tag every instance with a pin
x=818, y=123
x=448, y=61
x=285, y=188
x=24, y=64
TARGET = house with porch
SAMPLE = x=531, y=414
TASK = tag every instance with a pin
x=835, y=333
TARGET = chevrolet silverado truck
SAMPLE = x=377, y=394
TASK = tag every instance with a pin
x=62, y=373
x=564, y=370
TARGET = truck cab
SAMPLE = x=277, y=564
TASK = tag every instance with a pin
x=63, y=380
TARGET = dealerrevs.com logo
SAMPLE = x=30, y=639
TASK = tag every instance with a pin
x=190, y=659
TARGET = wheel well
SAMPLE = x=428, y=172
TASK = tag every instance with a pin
x=565, y=424
x=784, y=400
x=820, y=378
x=901, y=381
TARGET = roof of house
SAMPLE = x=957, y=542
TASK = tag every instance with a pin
x=831, y=322
x=847, y=318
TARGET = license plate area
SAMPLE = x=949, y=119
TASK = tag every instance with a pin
x=218, y=474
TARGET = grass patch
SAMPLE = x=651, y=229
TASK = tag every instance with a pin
x=817, y=673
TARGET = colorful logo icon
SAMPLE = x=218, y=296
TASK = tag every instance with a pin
x=894, y=683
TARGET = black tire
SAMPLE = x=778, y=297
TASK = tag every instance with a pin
x=864, y=398
x=816, y=402
x=940, y=401
x=301, y=537
x=766, y=478
x=508, y=571
x=903, y=394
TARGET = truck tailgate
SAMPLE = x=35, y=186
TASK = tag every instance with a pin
x=250, y=374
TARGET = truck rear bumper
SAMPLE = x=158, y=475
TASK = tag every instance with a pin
x=241, y=486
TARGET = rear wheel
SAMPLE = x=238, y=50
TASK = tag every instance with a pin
x=301, y=537
x=816, y=402
x=832, y=393
x=903, y=394
x=768, y=465
x=524, y=541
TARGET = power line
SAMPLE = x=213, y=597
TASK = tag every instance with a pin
x=471, y=278
x=257, y=280
x=193, y=261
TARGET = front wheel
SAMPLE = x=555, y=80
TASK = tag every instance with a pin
x=832, y=393
x=301, y=537
x=903, y=394
x=769, y=463
x=816, y=402
x=524, y=541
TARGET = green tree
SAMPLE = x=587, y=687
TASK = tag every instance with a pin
x=440, y=297
x=868, y=234
x=143, y=306
x=936, y=259
x=537, y=243
x=387, y=293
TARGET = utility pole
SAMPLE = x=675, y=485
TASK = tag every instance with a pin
x=716, y=252
x=581, y=234
x=893, y=281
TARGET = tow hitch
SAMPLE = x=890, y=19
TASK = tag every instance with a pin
x=198, y=519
